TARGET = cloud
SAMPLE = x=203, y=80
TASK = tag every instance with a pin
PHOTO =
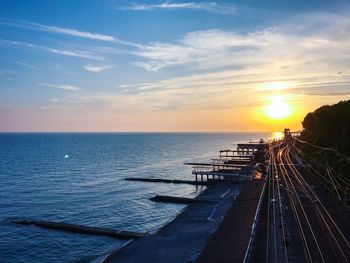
x=68, y=31
x=97, y=69
x=25, y=64
x=151, y=65
x=60, y=86
x=306, y=46
x=205, y=6
x=74, y=53
x=72, y=32
x=225, y=69
x=303, y=59
x=248, y=81
x=69, y=53
x=203, y=49
x=6, y=72
x=330, y=94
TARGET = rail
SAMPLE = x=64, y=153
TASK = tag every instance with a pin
x=253, y=231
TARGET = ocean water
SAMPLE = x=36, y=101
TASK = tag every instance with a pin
x=79, y=178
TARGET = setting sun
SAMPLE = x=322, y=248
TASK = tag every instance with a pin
x=278, y=109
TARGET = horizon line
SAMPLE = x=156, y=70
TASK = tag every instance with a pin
x=111, y=132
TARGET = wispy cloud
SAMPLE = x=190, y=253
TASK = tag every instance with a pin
x=205, y=6
x=69, y=53
x=330, y=94
x=5, y=72
x=71, y=32
x=60, y=86
x=25, y=64
x=307, y=61
x=232, y=89
x=74, y=53
x=281, y=46
x=97, y=68
x=68, y=31
x=153, y=66
x=203, y=49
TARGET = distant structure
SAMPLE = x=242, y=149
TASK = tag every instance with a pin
x=287, y=134
x=241, y=164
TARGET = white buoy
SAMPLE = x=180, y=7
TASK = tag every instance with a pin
x=66, y=156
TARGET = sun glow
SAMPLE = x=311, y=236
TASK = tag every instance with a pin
x=275, y=85
x=276, y=136
x=278, y=109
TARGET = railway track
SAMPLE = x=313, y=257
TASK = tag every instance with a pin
x=276, y=249
x=323, y=240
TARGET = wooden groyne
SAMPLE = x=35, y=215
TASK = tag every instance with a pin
x=82, y=229
x=168, y=181
x=175, y=199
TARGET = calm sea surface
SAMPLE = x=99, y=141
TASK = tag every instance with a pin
x=38, y=181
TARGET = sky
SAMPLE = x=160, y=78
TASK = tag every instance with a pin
x=170, y=66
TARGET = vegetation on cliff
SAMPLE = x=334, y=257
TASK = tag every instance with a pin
x=329, y=126
x=326, y=143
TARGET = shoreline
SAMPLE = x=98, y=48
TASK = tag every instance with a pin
x=201, y=229
x=184, y=237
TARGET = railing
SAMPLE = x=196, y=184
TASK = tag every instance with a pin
x=215, y=169
x=202, y=169
x=253, y=231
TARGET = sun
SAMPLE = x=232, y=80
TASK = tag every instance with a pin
x=278, y=109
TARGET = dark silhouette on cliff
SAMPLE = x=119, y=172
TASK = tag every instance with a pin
x=329, y=126
x=326, y=137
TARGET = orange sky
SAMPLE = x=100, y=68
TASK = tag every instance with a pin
x=218, y=66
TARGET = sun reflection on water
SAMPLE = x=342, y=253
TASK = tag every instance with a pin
x=277, y=136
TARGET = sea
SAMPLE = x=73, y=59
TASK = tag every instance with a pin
x=78, y=178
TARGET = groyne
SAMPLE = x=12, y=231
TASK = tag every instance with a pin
x=175, y=199
x=167, y=181
x=183, y=239
x=82, y=229
x=212, y=222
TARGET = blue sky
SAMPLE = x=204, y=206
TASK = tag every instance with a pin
x=168, y=65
